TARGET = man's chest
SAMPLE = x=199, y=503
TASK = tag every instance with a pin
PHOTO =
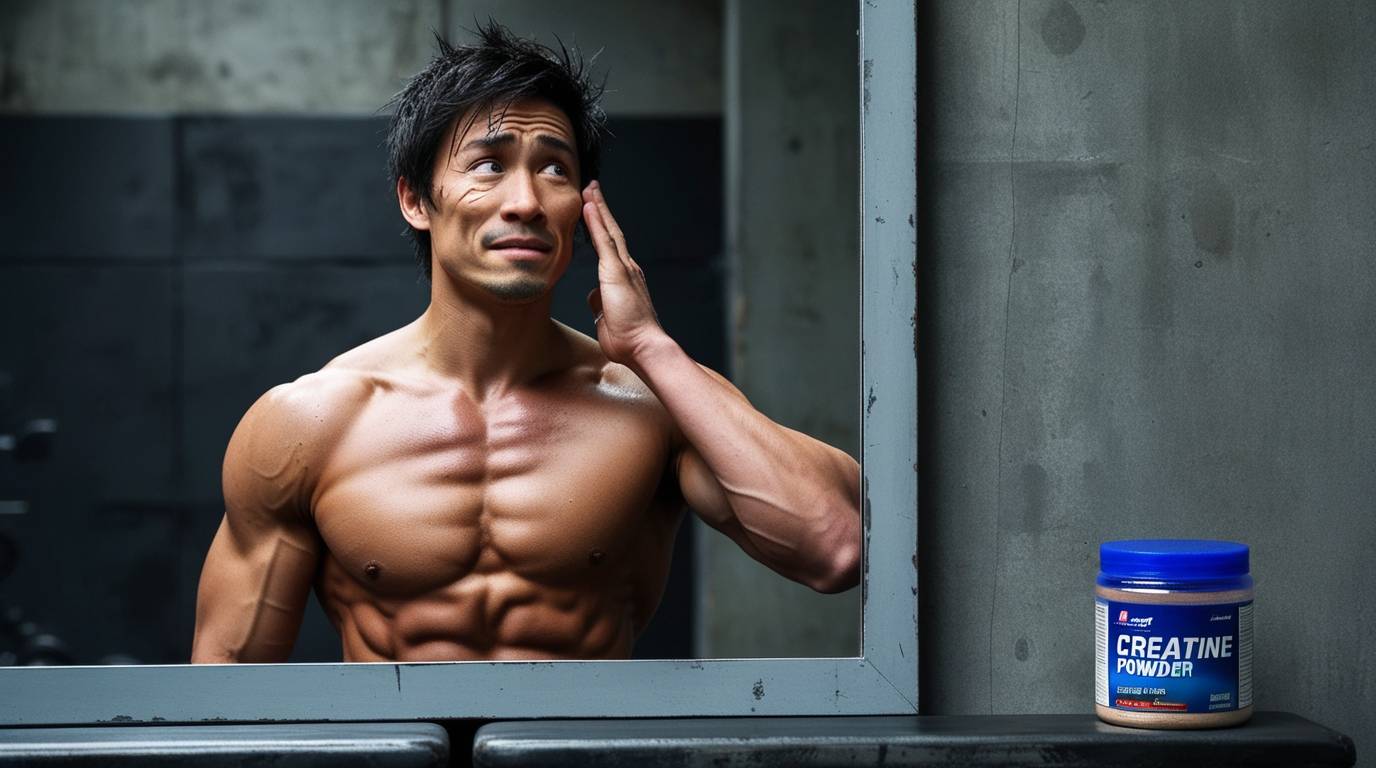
x=420, y=494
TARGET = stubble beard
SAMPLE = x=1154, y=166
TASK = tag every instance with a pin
x=517, y=288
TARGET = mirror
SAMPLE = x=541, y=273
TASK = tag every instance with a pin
x=882, y=680
x=190, y=221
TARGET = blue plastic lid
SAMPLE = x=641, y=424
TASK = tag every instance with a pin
x=1173, y=559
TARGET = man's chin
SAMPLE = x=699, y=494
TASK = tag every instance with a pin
x=518, y=290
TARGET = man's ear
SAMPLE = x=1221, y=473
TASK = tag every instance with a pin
x=413, y=208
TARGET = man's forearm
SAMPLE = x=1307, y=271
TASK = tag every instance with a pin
x=789, y=500
x=796, y=497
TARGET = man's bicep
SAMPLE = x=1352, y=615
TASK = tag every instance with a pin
x=705, y=496
x=252, y=595
x=258, y=572
x=701, y=490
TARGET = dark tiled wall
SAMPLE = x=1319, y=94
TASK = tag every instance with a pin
x=158, y=274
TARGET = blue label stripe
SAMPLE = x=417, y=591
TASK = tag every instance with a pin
x=1174, y=658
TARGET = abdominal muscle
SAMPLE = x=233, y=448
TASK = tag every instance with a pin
x=497, y=615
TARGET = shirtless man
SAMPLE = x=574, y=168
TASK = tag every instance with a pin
x=486, y=483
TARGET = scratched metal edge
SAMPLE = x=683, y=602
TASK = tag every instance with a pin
x=883, y=681
x=888, y=120
x=443, y=690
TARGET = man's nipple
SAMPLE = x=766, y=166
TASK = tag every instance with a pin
x=373, y=570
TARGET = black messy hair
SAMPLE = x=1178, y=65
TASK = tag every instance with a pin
x=486, y=77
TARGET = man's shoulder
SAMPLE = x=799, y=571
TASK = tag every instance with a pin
x=623, y=382
x=591, y=366
x=280, y=445
x=316, y=398
x=306, y=414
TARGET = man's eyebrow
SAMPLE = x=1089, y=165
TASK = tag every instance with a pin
x=557, y=143
x=489, y=141
x=501, y=139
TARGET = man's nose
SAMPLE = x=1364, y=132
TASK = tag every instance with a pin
x=522, y=201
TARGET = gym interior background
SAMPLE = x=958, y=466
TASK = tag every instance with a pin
x=1146, y=296
x=226, y=225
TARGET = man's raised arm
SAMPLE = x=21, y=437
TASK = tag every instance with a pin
x=257, y=575
x=790, y=501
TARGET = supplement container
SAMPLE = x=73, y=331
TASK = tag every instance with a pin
x=1173, y=634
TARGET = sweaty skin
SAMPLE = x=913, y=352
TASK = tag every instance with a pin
x=486, y=483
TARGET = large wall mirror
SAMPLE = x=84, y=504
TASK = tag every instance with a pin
x=172, y=250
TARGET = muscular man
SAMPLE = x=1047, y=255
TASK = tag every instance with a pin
x=486, y=483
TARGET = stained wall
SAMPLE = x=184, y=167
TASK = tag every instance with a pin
x=1147, y=296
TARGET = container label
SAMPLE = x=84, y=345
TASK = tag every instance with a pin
x=1173, y=658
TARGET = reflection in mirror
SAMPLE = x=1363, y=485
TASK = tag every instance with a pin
x=226, y=226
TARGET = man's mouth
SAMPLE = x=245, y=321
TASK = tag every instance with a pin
x=523, y=243
x=522, y=248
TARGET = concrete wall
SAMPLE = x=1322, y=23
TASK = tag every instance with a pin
x=317, y=56
x=1147, y=303
x=660, y=58
x=792, y=228
x=329, y=56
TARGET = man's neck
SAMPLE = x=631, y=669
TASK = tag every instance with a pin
x=489, y=346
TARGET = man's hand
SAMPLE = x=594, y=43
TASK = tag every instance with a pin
x=626, y=321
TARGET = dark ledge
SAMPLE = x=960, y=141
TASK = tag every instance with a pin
x=1268, y=739
x=380, y=745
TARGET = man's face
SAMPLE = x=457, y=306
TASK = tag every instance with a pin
x=506, y=201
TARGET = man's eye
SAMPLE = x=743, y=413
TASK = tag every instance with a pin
x=487, y=166
x=557, y=169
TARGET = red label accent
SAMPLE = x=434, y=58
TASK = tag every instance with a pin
x=1167, y=706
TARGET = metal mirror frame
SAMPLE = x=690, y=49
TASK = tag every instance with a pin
x=883, y=680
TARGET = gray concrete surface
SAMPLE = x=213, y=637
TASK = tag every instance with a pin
x=793, y=239
x=139, y=56
x=328, y=56
x=660, y=58
x=1147, y=306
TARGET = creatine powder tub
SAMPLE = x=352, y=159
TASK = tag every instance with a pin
x=1173, y=634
